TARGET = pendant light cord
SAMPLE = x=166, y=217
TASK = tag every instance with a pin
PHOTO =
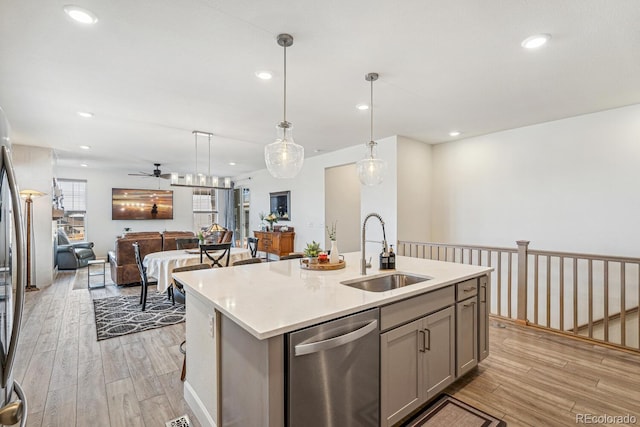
x=285, y=84
x=371, y=143
x=209, y=170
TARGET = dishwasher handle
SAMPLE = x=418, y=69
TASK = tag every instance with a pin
x=314, y=347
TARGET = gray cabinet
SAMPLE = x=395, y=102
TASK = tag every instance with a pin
x=467, y=326
x=439, y=355
x=417, y=361
x=484, y=305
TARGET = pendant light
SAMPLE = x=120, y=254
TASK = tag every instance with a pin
x=371, y=170
x=200, y=179
x=284, y=157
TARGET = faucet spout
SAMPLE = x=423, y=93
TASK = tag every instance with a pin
x=363, y=261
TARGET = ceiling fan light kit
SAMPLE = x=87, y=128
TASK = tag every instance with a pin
x=283, y=157
x=200, y=179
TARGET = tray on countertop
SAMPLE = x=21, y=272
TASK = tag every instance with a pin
x=305, y=264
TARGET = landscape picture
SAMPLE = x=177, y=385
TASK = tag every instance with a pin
x=141, y=204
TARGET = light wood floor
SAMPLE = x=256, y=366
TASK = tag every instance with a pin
x=536, y=378
x=70, y=379
x=531, y=378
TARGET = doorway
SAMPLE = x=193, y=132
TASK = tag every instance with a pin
x=342, y=206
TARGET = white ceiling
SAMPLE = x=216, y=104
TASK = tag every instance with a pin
x=154, y=70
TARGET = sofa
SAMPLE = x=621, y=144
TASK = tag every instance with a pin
x=72, y=255
x=122, y=260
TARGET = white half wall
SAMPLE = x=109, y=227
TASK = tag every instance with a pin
x=101, y=229
x=568, y=185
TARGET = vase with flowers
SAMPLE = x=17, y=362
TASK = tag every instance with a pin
x=271, y=219
x=334, y=254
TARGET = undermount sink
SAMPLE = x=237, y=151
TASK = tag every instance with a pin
x=385, y=282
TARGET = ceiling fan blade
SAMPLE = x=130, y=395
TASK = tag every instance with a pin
x=139, y=174
x=165, y=176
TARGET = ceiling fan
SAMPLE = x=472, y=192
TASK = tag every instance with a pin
x=157, y=173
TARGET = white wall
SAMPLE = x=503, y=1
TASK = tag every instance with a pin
x=569, y=185
x=100, y=228
x=33, y=166
x=307, y=195
x=415, y=171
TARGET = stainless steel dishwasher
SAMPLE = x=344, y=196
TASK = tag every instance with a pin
x=333, y=373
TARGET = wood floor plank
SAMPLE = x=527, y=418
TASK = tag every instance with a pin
x=156, y=411
x=144, y=378
x=158, y=353
x=34, y=419
x=65, y=366
x=124, y=408
x=114, y=363
x=36, y=380
x=89, y=346
x=93, y=407
x=60, y=409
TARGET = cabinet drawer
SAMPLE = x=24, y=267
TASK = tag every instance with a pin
x=412, y=308
x=466, y=289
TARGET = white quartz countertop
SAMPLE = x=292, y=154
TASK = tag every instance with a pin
x=273, y=298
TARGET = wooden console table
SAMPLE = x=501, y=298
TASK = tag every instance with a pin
x=275, y=242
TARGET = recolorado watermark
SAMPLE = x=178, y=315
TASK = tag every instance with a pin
x=605, y=419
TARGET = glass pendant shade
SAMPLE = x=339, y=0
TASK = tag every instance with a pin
x=283, y=157
x=371, y=170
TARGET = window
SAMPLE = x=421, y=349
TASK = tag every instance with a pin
x=204, y=208
x=74, y=202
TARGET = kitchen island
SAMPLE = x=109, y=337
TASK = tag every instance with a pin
x=238, y=319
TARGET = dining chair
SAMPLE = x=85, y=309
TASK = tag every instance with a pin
x=291, y=256
x=177, y=286
x=173, y=286
x=252, y=245
x=216, y=252
x=247, y=261
x=143, y=275
x=187, y=243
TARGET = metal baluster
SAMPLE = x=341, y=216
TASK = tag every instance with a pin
x=548, y=292
x=623, y=305
x=535, y=289
x=499, y=270
x=561, y=291
x=590, y=298
x=575, y=296
x=606, y=301
x=509, y=267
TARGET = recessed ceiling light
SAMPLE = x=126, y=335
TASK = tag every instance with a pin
x=362, y=107
x=85, y=147
x=84, y=165
x=535, y=41
x=454, y=133
x=232, y=163
x=80, y=15
x=264, y=75
x=85, y=114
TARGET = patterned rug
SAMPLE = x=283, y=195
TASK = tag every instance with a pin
x=122, y=315
x=448, y=411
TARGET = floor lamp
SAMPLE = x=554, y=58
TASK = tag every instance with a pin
x=28, y=196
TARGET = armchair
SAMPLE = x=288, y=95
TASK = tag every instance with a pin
x=72, y=255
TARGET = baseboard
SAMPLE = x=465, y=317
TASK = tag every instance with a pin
x=196, y=405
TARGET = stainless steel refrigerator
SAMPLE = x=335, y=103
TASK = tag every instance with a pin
x=13, y=405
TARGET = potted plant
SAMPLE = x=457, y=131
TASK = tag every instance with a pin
x=271, y=219
x=311, y=251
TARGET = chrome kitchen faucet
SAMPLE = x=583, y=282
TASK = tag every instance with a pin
x=363, y=263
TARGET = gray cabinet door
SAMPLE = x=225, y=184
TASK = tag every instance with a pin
x=466, y=335
x=483, y=318
x=439, y=356
x=401, y=372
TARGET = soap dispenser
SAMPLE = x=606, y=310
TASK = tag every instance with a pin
x=392, y=259
x=384, y=257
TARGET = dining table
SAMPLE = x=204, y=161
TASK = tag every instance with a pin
x=159, y=265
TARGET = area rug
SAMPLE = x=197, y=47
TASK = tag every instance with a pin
x=448, y=411
x=122, y=315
